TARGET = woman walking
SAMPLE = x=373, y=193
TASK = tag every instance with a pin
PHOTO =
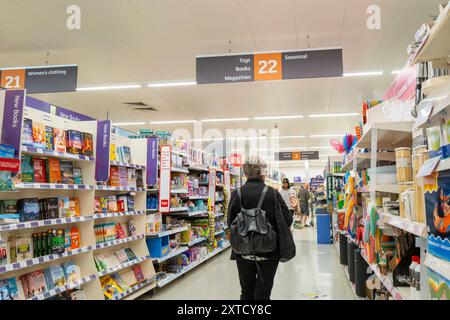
x=259, y=222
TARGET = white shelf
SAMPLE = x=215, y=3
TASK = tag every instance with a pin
x=415, y=228
x=195, y=241
x=152, y=190
x=112, y=188
x=44, y=223
x=191, y=213
x=443, y=165
x=197, y=168
x=173, y=276
x=386, y=281
x=171, y=255
x=197, y=197
x=178, y=209
x=436, y=46
x=40, y=260
x=166, y=233
x=390, y=136
x=54, y=292
x=112, y=243
x=436, y=87
x=364, y=159
x=179, y=169
x=53, y=186
x=127, y=165
x=219, y=232
x=440, y=108
x=135, y=288
x=218, y=169
x=179, y=190
x=180, y=153
x=118, y=214
x=122, y=266
x=387, y=188
x=440, y=266
x=54, y=154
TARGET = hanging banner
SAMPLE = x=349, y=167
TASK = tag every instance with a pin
x=212, y=189
x=404, y=86
x=152, y=161
x=102, y=151
x=165, y=178
x=41, y=79
x=270, y=66
x=13, y=104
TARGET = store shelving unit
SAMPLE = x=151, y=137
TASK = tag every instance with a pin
x=416, y=228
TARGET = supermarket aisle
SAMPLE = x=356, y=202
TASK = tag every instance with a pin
x=315, y=273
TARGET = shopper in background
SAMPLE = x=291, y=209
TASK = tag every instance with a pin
x=288, y=194
x=257, y=270
x=303, y=199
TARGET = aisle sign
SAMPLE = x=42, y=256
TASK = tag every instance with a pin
x=212, y=189
x=270, y=66
x=297, y=155
x=164, y=178
x=152, y=161
x=13, y=102
x=102, y=150
x=42, y=79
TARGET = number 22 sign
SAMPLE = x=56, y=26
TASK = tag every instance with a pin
x=267, y=66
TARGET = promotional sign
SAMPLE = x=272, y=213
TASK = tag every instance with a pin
x=14, y=101
x=297, y=155
x=212, y=190
x=43, y=106
x=270, y=66
x=227, y=184
x=102, y=152
x=298, y=179
x=165, y=178
x=437, y=208
x=9, y=164
x=316, y=181
x=309, y=155
x=152, y=161
x=404, y=86
x=235, y=159
x=42, y=79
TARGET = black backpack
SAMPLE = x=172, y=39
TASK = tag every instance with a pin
x=251, y=232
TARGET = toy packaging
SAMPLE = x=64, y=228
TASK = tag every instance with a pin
x=27, y=133
x=88, y=145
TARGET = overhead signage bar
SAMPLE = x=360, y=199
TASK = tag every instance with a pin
x=41, y=79
x=270, y=66
x=297, y=155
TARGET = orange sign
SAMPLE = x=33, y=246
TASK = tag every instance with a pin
x=267, y=66
x=296, y=156
x=13, y=79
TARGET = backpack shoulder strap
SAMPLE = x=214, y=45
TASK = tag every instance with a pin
x=238, y=190
x=263, y=195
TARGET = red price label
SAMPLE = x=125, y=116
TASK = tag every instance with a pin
x=164, y=203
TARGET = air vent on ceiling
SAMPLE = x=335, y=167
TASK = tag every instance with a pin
x=141, y=106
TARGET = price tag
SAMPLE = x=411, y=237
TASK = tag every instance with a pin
x=13, y=79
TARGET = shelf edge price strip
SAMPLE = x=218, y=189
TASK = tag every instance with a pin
x=32, y=185
x=128, y=165
x=44, y=223
x=35, y=261
x=133, y=289
x=56, y=153
x=118, y=241
x=56, y=291
x=118, y=214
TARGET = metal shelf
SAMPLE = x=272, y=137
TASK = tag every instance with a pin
x=44, y=223
x=390, y=136
x=166, y=233
x=171, y=255
x=416, y=228
x=55, y=154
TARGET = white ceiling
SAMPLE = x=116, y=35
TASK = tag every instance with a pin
x=141, y=41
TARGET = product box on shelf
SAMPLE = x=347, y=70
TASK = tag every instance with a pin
x=158, y=247
x=437, y=197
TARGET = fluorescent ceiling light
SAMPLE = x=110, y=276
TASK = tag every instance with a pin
x=128, y=124
x=329, y=115
x=327, y=135
x=287, y=149
x=279, y=117
x=363, y=74
x=396, y=71
x=112, y=87
x=226, y=119
x=172, y=121
x=311, y=148
x=171, y=84
x=288, y=137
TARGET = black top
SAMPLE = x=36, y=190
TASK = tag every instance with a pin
x=251, y=192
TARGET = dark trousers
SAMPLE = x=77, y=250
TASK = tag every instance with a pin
x=256, y=284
